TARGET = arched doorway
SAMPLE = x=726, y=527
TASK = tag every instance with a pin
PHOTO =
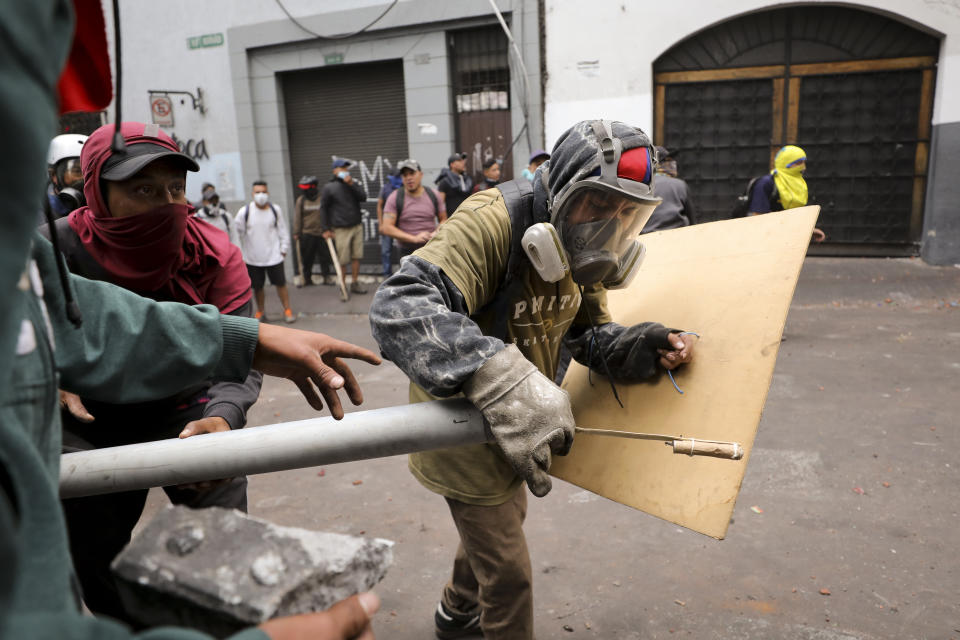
x=853, y=88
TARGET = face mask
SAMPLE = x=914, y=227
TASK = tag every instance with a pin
x=261, y=198
x=343, y=174
x=594, y=249
x=71, y=198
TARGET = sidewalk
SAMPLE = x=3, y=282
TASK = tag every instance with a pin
x=845, y=528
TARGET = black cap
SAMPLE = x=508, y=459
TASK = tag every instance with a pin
x=459, y=155
x=121, y=166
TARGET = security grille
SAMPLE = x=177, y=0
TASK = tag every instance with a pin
x=853, y=88
x=862, y=141
x=720, y=132
x=356, y=112
x=480, y=73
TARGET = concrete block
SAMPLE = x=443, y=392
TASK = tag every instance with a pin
x=218, y=570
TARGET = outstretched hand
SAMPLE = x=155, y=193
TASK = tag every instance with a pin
x=312, y=361
x=346, y=620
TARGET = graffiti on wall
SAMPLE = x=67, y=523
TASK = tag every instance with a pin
x=196, y=149
x=372, y=178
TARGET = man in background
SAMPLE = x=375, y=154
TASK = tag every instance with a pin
x=213, y=211
x=265, y=242
x=491, y=175
x=676, y=210
x=784, y=187
x=308, y=231
x=343, y=219
x=391, y=184
x=65, y=190
x=413, y=213
x=537, y=158
x=454, y=183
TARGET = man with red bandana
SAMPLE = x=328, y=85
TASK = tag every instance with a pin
x=480, y=311
x=138, y=232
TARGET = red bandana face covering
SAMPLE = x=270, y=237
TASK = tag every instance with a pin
x=141, y=252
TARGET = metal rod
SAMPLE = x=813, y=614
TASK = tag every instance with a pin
x=680, y=444
x=292, y=445
x=305, y=443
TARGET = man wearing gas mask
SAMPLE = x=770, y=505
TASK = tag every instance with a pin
x=482, y=310
x=65, y=191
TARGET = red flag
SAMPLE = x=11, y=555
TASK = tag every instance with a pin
x=86, y=83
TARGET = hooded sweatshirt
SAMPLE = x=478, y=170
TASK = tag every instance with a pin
x=168, y=256
x=455, y=188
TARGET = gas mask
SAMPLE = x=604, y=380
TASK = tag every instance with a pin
x=596, y=222
x=70, y=193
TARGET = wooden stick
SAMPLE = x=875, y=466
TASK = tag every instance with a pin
x=336, y=265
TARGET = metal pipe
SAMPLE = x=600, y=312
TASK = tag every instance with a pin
x=290, y=445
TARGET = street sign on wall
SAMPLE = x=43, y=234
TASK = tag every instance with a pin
x=208, y=40
x=161, y=110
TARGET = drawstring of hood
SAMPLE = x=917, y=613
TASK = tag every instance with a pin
x=71, y=307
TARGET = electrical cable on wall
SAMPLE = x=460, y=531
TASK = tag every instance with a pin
x=341, y=36
x=524, y=83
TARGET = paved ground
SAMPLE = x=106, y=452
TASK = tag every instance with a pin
x=853, y=469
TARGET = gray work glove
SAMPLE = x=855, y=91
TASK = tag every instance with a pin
x=528, y=414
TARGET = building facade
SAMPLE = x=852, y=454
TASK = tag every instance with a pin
x=870, y=91
x=276, y=90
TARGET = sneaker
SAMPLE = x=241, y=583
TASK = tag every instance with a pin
x=288, y=316
x=455, y=625
x=329, y=280
x=259, y=316
x=356, y=287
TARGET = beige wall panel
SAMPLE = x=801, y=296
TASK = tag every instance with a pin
x=731, y=282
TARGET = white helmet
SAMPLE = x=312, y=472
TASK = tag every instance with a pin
x=67, y=145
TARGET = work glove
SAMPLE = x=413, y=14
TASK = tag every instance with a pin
x=528, y=415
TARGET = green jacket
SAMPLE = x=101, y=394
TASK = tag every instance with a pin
x=128, y=348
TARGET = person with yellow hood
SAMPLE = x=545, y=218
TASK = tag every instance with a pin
x=784, y=187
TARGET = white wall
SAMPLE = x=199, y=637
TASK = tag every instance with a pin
x=599, y=55
x=156, y=56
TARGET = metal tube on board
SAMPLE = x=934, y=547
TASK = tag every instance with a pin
x=291, y=445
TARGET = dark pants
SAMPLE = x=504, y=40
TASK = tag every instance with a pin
x=314, y=248
x=405, y=250
x=386, y=254
x=491, y=571
x=100, y=526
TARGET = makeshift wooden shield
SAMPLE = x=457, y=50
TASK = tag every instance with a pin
x=732, y=283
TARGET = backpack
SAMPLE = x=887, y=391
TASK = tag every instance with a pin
x=401, y=193
x=227, y=218
x=518, y=196
x=244, y=210
x=742, y=207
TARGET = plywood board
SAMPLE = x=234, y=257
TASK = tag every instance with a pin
x=732, y=283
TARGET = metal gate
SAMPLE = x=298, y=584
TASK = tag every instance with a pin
x=863, y=121
x=352, y=111
x=480, y=72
